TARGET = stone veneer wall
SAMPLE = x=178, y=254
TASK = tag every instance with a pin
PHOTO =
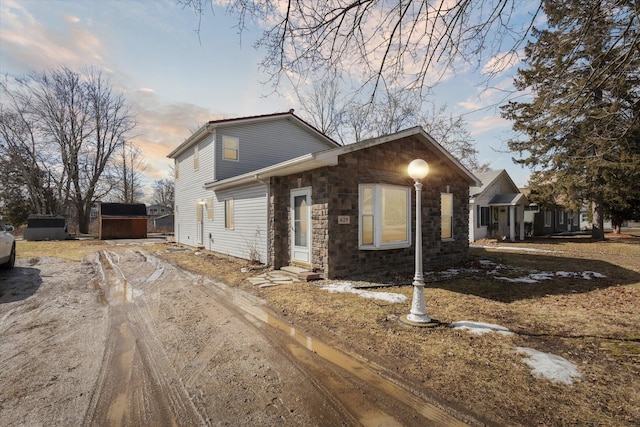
x=335, y=250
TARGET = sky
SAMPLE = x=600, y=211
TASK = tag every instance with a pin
x=177, y=79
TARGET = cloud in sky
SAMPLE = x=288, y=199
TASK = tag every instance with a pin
x=34, y=46
x=163, y=126
x=488, y=123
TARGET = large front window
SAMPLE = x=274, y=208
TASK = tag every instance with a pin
x=384, y=216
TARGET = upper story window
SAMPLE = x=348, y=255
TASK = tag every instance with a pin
x=446, y=216
x=384, y=219
x=196, y=157
x=176, y=168
x=230, y=147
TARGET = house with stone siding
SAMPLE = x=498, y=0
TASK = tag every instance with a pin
x=348, y=210
x=234, y=222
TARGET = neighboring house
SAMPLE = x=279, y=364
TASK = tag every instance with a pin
x=496, y=208
x=158, y=210
x=544, y=221
x=337, y=210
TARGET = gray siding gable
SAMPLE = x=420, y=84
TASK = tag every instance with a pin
x=263, y=144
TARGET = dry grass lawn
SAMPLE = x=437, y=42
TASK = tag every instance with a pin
x=594, y=323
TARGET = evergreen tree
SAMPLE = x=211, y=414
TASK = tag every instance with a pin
x=580, y=132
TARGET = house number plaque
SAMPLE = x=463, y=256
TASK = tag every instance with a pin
x=344, y=219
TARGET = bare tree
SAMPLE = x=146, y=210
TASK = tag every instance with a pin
x=70, y=124
x=128, y=167
x=387, y=44
x=164, y=192
x=352, y=121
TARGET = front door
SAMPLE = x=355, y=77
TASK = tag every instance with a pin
x=301, y=226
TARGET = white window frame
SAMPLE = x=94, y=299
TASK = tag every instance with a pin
x=209, y=206
x=229, y=214
x=442, y=216
x=378, y=244
x=235, y=148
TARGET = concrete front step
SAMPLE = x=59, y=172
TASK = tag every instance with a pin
x=301, y=273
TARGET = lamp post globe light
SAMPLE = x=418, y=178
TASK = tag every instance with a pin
x=418, y=170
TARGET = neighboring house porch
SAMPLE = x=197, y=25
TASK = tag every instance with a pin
x=496, y=208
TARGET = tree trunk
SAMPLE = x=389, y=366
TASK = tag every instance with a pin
x=597, y=222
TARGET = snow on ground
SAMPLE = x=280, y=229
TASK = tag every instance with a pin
x=346, y=287
x=512, y=248
x=550, y=366
x=543, y=365
x=537, y=276
x=480, y=328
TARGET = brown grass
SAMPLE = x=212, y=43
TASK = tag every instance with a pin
x=66, y=249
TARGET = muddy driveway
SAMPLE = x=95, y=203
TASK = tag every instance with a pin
x=123, y=338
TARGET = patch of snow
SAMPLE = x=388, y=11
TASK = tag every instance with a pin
x=480, y=328
x=486, y=262
x=512, y=248
x=451, y=272
x=525, y=279
x=550, y=366
x=346, y=287
x=589, y=274
x=548, y=275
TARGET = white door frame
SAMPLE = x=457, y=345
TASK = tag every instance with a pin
x=300, y=226
x=200, y=223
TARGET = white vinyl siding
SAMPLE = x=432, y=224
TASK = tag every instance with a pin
x=189, y=190
x=384, y=219
x=249, y=234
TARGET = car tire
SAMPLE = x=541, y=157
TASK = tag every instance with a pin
x=12, y=258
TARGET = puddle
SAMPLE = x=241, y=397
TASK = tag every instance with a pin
x=117, y=290
x=367, y=414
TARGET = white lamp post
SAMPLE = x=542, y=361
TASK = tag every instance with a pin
x=418, y=169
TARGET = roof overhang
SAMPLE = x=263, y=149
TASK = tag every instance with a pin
x=329, y=157
x=299, y=164
x=508, y=200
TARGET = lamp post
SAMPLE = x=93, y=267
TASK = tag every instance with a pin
x=418, y=170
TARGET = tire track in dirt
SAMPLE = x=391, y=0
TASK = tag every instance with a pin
x=136, y=384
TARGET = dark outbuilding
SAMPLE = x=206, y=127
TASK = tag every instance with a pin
x=123, y=221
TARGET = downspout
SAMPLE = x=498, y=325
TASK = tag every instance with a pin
x=269, y=249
